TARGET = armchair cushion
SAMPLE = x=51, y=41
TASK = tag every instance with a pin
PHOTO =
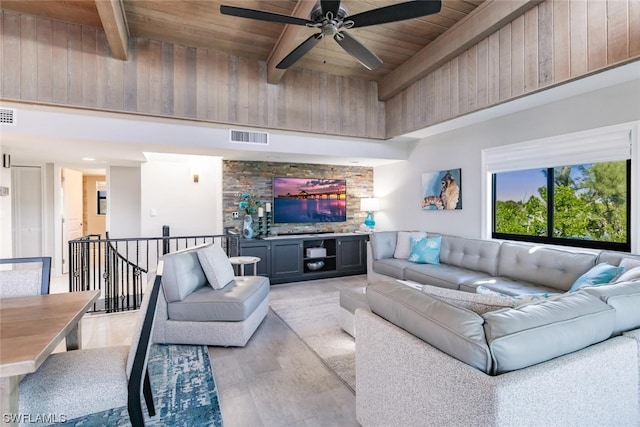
x=234, y=303
x=216, y=266
x=182, y=275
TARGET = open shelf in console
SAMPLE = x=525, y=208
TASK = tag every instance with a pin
x=321, y=257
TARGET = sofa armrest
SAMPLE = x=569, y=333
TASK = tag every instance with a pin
x=402, y=380
x=372, y=276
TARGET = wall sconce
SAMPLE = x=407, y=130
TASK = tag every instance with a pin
x=370, y=205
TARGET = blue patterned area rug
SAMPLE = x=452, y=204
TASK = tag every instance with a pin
x=184, y=391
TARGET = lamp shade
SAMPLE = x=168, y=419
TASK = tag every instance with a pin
x=369, y=204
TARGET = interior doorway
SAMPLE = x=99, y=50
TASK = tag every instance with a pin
x=83, y=199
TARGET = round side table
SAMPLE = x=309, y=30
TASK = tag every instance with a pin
x=243, y=260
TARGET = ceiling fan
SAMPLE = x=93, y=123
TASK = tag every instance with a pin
x=332, y=19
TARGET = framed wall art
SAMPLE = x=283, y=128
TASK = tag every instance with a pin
x=442, y=190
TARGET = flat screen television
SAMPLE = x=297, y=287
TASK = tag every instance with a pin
x=297, y=200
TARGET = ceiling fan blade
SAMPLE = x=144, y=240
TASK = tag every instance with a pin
x=396, y=12
x=263, y=16
x=330, y=6
x=299, y=51
x=358, y=51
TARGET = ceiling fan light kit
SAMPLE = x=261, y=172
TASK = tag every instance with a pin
x=331, y=18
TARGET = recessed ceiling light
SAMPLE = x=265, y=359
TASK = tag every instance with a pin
x=88, y=159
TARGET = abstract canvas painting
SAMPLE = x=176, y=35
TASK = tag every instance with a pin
x=442, y=190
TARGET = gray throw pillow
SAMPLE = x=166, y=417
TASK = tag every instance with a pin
x=403, y=244
x=216, y=266
x=630, y=274
x=629, y=263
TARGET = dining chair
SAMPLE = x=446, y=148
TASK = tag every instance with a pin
x=82, y=382
x=20, y=281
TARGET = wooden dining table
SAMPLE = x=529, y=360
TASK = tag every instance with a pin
x=31, y=328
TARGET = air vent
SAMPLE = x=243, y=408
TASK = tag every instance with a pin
x=7, y=117
x=246, y=137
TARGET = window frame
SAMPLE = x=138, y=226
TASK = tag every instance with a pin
x=549, y=238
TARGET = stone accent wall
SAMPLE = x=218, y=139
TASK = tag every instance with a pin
x=257, y=178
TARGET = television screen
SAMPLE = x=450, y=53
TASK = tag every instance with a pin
x=309, y=200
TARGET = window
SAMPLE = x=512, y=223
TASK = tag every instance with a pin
x=585, y=205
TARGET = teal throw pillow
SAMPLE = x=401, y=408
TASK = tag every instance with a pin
x=600, y=274
x=425, y=250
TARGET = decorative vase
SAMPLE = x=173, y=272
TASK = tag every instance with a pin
x=247, y=227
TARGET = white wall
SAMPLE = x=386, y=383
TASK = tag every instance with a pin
x=123, y=201
x=170, y=197
x=399, y=185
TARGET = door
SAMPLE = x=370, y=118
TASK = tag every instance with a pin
x=286, y=259
x=352, y=254
x=71, y=211
x=26, y=183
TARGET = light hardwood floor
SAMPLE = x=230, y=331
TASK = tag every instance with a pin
x=275, y=380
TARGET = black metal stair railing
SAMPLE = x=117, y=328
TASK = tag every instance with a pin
x=119, y=267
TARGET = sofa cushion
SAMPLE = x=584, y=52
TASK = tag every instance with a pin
x=631, y=274
x=477, y=303
x=622, y=259
x=182, y=275
x=473, y=254
x=506, y=286
x=597, y=275
x=534, y=333
x=216, y=266
x=391, y=267
x=446, y=276
x=403, y=243
x=383, y=244
x=625, y=298
x=425, y=250
x=543, y=266
x=233, y=303
x=453, y=330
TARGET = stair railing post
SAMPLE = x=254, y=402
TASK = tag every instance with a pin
x=165, y=242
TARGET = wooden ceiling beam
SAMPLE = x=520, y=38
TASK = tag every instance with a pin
x=289, y=40
x=114, y=23
x=483, y=21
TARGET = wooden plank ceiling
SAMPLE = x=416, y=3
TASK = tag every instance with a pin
x=200, y=24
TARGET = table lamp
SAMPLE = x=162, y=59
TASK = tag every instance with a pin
x=369, y=205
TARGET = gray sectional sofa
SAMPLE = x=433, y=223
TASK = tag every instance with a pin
x=445, y=355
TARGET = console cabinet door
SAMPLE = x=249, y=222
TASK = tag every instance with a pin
x=352, y=255
x=261, y=249
x=286, y=259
